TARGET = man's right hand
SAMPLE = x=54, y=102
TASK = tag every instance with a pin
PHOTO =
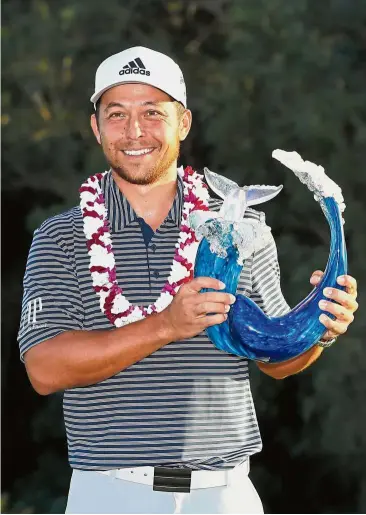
x=187, y=315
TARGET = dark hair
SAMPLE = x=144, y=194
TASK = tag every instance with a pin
x=97, y=110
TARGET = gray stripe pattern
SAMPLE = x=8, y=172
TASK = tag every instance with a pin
x=186, y=404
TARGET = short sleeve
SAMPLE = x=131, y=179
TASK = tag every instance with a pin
x=51, y=298
x=266, y=287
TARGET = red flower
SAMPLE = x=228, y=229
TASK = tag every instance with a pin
x=92, y=214
x=99, y=269
x=87, y=188
x=100, y=288
x=188, y=170
x=94, y=240
x=185, y=228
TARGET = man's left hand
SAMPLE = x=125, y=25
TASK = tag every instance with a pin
x=342, y=308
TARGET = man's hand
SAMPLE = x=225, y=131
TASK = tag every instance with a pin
x=342, y=308
x=187, y=315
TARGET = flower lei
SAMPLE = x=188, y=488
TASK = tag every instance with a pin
x=102, y=262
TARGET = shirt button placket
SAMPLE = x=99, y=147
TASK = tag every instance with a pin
x=155, y=273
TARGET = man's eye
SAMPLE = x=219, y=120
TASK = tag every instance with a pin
x=153, y=112
x=116, y=115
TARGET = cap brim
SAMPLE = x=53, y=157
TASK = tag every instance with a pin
x=94, y=98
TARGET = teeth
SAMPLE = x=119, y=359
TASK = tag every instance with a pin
x=138, y=152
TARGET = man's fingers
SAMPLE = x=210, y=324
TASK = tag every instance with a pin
x=204, y=308
x=350, y=283
x=199, y=283
x=315, y=278
x=210, y=320
x=344, y=280
x=347, y=300
x=334, y=326
x=213, y=296
x=340, y=312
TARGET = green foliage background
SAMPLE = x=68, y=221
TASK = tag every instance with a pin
x=261, y=74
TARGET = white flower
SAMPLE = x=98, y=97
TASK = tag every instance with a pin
x=163, y=301
x=120, y=322
x=136, y=315
x=91, y=226
x=107, y=259
x=178, y=272
x=86, y=197
x=120, y=304
x=102, y=296
x=183, y=237
x=100, y=279
x=189, y=252
x=99, y=208
x=187, y=208
x=106, y=239
x=99, y=251
x=202, y=193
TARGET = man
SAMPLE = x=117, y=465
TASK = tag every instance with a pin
x=157, y=419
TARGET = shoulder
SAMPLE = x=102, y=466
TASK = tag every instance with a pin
x=61, y=232
x=216, y=203
x=62, y=223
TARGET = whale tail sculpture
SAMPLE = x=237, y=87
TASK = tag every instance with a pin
x=227, y=240
x=236, y=199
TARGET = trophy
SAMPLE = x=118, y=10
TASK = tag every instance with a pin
x=227, y=240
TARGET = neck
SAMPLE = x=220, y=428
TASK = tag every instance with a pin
x=152, y=202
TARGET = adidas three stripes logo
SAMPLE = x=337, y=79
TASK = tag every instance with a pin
x=136, y=67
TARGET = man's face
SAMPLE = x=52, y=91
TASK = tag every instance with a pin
x=140, y=131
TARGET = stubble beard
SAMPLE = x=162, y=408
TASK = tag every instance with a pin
x=152, y=174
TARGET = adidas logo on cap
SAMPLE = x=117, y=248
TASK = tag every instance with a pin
x=135, y=67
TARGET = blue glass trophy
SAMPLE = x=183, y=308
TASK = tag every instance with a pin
x=228, y=239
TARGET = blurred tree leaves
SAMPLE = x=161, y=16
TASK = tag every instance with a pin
x=260, y=75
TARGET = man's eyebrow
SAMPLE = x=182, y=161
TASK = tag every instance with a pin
x=119, y=104
x=113, y=104
x=151, y=103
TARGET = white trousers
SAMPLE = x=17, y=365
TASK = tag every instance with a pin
x=93, y=492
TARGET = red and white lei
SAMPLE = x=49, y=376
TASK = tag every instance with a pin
x=102, y=262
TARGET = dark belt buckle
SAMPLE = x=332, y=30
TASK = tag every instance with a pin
x=172, y=480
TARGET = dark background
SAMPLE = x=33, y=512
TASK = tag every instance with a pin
x=261, y=74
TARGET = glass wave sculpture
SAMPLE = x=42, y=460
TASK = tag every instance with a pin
x=227, y=240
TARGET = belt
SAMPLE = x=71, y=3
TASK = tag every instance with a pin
x=167, y=479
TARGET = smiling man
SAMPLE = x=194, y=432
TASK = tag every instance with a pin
x=124, y=118
x=157, y=419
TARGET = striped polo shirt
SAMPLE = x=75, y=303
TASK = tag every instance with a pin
x=187, y=404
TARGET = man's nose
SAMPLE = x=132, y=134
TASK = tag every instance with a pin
x=134, y=128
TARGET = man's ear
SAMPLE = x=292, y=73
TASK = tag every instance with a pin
x=94, y=126
x=185, y=124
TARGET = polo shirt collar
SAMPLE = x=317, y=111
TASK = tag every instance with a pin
x=121, y=213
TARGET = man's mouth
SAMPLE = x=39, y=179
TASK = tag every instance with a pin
x=139, y=152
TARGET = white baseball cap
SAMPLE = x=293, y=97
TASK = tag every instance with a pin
x=140, y=64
